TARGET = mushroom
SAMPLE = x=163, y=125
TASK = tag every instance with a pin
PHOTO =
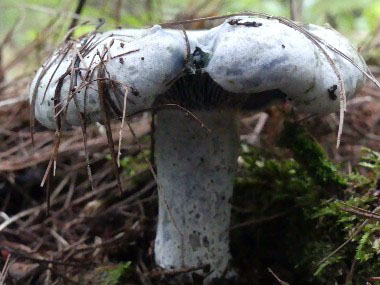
x=245, y=63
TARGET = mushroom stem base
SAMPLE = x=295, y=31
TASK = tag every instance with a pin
x=195, y=175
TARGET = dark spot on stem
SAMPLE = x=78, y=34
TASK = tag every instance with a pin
x=331, y=92
x=206, y=243
x=135, y=92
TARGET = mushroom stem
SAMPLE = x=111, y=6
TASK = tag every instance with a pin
x=195, y=173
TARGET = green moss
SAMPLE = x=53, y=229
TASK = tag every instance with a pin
x=311, y=156
x=296, y=219
x=117, y=274
x=132, y=164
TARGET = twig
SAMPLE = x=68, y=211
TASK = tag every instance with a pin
x=20, y=254
x=361, y=212
x=102, y=90
x=4, y=272
x=159, y=273
x=296, y=10
x=277, y=278
x=11, y=101
x=122, y=125
x=78, y=11
x=357, y=231
x=174, y=106
x=258, y=220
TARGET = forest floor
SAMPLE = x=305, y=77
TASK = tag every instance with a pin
x=102, y=236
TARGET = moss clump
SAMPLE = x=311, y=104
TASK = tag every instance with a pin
x=308, y=153
x=133, y=164
x=290, y=219
x=116, y=274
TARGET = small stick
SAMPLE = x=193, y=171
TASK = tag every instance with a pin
x=74, y=21
x=4, y=272
x=349, y=239
x=122, y=125
x=101, y=92
x=277, y=278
